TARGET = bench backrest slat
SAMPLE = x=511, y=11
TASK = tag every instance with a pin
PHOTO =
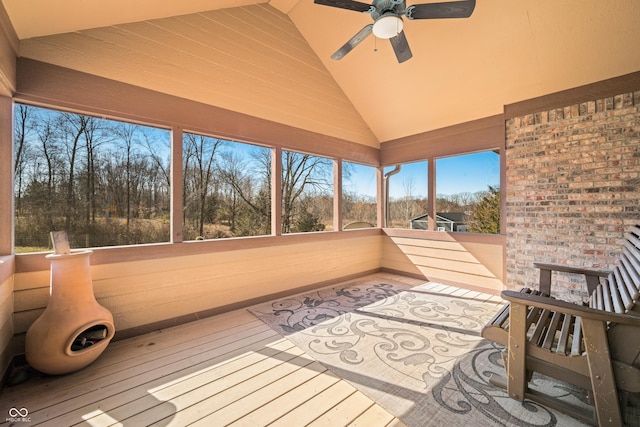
x=633, y=256
x=616, y=290
x=633, y=235
x=621, y=291
x=576, y=344
x=627, y=298
x=565, y=333
x=596, y=300
x=631, y=276
x=606, y=295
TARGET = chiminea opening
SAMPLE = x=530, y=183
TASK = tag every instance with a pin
x=89, y=337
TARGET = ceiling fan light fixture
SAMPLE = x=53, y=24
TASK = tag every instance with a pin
x=387, y=26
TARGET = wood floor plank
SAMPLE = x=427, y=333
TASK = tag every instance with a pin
x=199, y=403
x=134, y=386
x=166, y=342
x=437, y=287
x=345, y=412
x=131, y=402
x=141, y=356
x=261, y=396
x=287, y=402
x=461, y=293
x=166, y=399
x=374, y=416
x=138, y=373
x=397, y=423
x=473, y=295
x=316, y=406
x=98, y=418
x=148, y=344
x=392, y=276
x=206, y=326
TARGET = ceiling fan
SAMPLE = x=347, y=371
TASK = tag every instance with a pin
x=387, y=20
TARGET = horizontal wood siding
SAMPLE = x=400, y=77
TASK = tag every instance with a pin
x=6, y=312
x=474, y=261
x=477, y=135
x=249, y=59
x=8, y=53
x=157, y=290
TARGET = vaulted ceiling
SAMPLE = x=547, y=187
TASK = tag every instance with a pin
x=271, y=58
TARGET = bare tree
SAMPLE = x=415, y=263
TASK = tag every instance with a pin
x=94, y=135
x=158, y=171
x=245, y=182
x=199, y=155
x=126, y=132
x=23, y=117
x=302, y=173
x=72, y=128
x=49, y=153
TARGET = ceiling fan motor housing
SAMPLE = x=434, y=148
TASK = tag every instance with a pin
x=380, y=8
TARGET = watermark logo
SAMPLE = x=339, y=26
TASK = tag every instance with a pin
x=18, y=415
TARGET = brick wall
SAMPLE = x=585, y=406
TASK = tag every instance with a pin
x=573, y=188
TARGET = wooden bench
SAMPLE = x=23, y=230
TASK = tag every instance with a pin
x=595, y=346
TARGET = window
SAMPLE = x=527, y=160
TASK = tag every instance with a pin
x=108, y=182
x=407, y=196
x=468, y=193
x=227, y=188
x=307, y=193
x=359, y=201
x=105, y=182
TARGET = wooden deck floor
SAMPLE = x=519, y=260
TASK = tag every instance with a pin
x=231, y=369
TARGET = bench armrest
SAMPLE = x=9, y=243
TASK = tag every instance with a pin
x=553, y=304
x=592, y=276
x=569, y=269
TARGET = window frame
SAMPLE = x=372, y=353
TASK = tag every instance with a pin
x=432, y=183
x=480, y=135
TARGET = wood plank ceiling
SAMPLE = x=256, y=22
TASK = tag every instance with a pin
x=270, y=59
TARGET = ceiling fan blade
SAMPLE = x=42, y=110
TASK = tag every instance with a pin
x=401, y=47
x=353, y=42
x=453, y=9
x=345, y=4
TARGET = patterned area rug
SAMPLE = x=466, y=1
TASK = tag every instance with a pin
x=415, y=350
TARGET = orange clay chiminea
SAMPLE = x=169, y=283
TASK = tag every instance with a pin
x=74, y=329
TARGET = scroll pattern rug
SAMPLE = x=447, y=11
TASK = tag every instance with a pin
x=413, y=349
